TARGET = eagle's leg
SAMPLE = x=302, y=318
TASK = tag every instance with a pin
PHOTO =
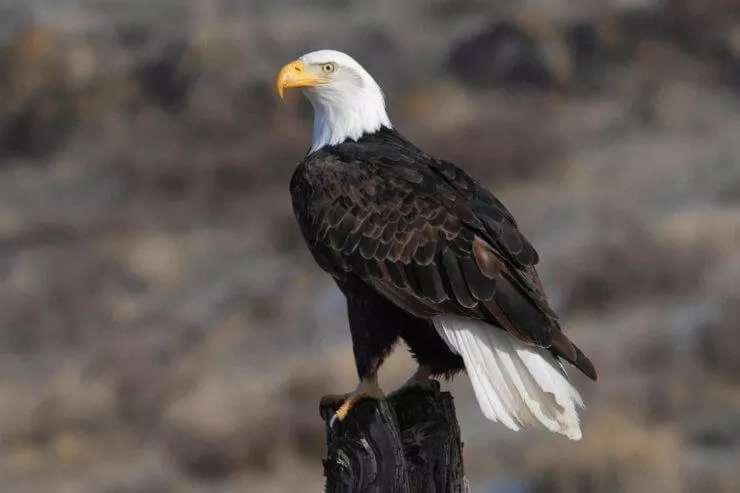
x=367, y=389
x=375, y=324
x=422, y=375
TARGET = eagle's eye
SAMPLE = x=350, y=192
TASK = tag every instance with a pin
x=329, y=68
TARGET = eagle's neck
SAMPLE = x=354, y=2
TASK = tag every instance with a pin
x=341, y=116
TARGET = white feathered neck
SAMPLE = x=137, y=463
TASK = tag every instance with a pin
x=348, y=107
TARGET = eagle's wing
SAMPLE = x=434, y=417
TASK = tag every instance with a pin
x=426, y=236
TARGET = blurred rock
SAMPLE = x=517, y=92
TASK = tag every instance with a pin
x=42, y=125
x=38, y=111
x=503, y=55
x=593, y=44
x=629, y=264
x=717, y=343
x=716, y=432
x=168, y=77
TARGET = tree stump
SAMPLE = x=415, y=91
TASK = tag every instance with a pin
x=407, y=444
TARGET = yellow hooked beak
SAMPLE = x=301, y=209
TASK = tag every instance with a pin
x=295, y=74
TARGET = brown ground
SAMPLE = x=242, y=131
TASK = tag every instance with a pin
x=163, y=329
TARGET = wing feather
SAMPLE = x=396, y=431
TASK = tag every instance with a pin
x=429, y=238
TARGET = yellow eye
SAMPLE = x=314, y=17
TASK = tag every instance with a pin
x=329, y=68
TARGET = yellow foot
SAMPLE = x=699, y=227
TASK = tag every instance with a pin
x=367, y=389
x=421, y=375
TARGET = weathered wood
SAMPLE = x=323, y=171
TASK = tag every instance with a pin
x=407, y=444
x=364, y=452
x=431, y=439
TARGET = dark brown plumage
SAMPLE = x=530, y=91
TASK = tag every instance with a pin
x=407, y=237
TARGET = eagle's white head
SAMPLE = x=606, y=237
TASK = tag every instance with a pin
x=347, y=101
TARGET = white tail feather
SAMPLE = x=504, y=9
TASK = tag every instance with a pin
x=514, y=383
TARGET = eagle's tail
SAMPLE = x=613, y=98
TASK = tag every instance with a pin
x=514, y=383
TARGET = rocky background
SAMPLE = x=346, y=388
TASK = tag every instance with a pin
x=164, y=330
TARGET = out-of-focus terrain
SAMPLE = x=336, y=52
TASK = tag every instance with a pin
x=163, y=328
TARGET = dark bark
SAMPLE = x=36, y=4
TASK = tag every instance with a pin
x=407, y=444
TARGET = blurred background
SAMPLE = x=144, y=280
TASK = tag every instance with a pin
x=163, y=328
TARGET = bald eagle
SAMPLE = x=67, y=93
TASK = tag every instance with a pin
x=424, y=253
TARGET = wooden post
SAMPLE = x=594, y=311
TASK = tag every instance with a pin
x=407, y=444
